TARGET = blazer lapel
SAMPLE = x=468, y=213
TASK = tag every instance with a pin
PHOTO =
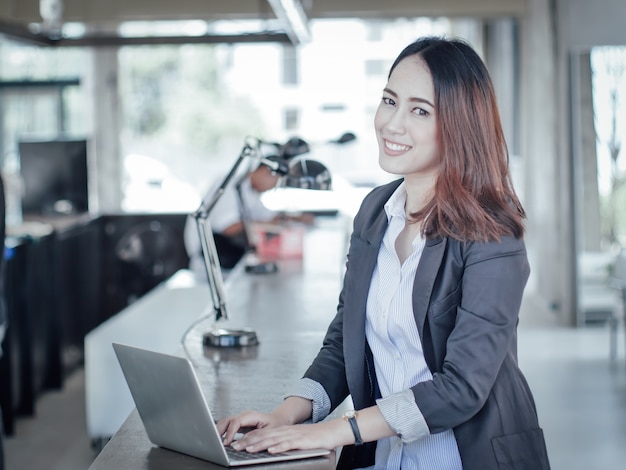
x=364, y=248
x=365, y=244
x=363, y=258
x=425, y=275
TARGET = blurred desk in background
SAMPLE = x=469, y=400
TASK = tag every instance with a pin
x=65, y=276
x=30, y=362
x=290, y=311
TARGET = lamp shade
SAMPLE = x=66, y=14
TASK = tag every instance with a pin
x=307, y=174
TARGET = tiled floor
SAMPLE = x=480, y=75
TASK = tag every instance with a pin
x=580, y=395
x=56, y=437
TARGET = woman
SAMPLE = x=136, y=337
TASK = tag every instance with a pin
x=424, y=339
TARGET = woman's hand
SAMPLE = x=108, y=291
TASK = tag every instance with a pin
x=228, y=427
x=278, y=432
x=275, y=432
x=276, y=439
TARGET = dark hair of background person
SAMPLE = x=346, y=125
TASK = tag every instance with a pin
x=474, y=198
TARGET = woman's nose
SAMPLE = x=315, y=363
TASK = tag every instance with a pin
x=395, y=123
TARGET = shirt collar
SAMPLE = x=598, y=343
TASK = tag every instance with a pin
x=394, y=207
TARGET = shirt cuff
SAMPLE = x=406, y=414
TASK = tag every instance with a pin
x=312, y=390
x=403, y=416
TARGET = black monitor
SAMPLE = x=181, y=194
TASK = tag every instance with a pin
x=55, y=177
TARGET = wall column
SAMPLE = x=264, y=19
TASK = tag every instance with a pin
x=585, y=157
x=547, y=194
x=502, y=58
x=106, y=180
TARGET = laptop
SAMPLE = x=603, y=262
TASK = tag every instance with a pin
x=175, y=413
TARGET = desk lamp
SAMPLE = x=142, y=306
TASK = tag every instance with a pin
x=277, y=159
x=295, y=172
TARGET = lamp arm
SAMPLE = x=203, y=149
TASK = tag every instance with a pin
x=212, y=266
x=207, y=206
x=207, y=241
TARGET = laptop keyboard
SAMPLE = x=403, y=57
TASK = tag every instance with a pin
x=243, y=455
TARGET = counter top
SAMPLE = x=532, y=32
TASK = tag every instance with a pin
x=290, y=311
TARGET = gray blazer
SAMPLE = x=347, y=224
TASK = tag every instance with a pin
x=466, y=301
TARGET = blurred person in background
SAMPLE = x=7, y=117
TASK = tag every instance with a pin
x=226, y=218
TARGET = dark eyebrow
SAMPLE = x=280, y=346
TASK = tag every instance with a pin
x=412, y=99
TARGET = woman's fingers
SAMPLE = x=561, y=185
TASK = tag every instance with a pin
x=283, y=438
x=243, y=422
x=260, y=439
x=228, y=427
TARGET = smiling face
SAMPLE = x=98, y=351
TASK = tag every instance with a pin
x=406, y=124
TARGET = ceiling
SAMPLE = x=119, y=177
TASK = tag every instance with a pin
x=22, y=19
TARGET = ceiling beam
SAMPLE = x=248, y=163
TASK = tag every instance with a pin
x=21, y=33
x=293, y=19
x=116, y=11
x=16, y=17
x=116, y=41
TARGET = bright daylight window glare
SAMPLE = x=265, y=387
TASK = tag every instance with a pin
x=194, y=27
x=608, y=65
x=188, y=109
x=163, y=28
x=609, y=97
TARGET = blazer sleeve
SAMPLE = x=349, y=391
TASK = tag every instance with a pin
x=328, y=368
x=473, y=318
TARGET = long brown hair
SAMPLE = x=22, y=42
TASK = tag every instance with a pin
x=474, y=199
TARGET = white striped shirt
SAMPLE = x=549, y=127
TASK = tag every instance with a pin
x=398, y=356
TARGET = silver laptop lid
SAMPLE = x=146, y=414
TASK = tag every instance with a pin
x=170, y=403
x=175, y=413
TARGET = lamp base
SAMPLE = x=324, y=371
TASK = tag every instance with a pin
x=267, y=267
x=223, y=338
x=254, y=265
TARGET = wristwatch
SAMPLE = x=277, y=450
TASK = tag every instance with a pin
x=350, y=417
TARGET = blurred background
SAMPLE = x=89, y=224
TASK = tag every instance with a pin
x=115, y=117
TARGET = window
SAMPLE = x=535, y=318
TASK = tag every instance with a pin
x=374, y=67
x=290, y=66
x=291, y=119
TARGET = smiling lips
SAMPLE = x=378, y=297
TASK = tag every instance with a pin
x=396, y=148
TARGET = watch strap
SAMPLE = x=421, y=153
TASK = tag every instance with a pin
x=351, y=419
